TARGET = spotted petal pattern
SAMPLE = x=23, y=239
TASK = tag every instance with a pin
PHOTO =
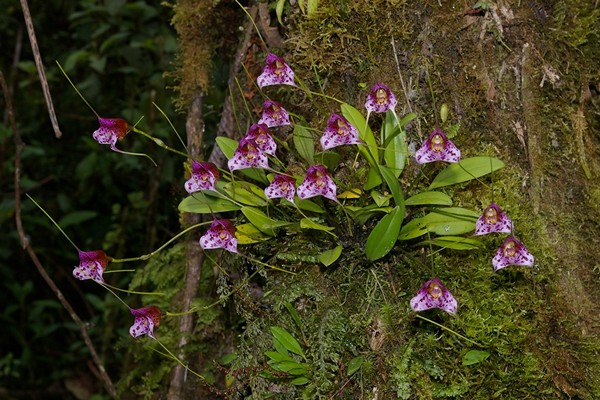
x=438, y=148
x=492, y=220
x=433, y=294
x=276, y=72
x=317, y=183
x=204, y=177
x=220, y=235
x=91, y=265
x=145, y=319
x=512, y=252
x=282, y=186
x=247, y=155
x=274, y=114
x=110, y=130
x=380, y=99
x=260, y=134
x=339, y=132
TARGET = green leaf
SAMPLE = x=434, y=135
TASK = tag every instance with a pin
x=328, y=257
x=380, y=199
x=307, y=223
x=429, y=198
x=454, y=243
x=261, y=221
x=278, y=357
x=475, y=357
x=354, y=365
x=249, y=234
x=246, y=193
x=442, y=221
x=304, y=143
x=395, y=146
x=312, y=7
x=330, y=159
x=465, y=170
x=307, y=205
x=364, y=133
x=279, y=346
x=394, y=185
x=200, y=203
x=301, y=380
x=279, y=10
x=362, y=214
x=287, y=340
x=373, y=178
x=227, y=145
x=293, y=314
x=414, y=228
x=383, y=237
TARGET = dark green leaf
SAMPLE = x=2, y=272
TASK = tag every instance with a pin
x=200, y=203
x=286, y=340
x=465, y=170
x=328, y=257
x=304, y=143
x=474, y=357
x=354, y=365
x=384, y=235
x=429, y=198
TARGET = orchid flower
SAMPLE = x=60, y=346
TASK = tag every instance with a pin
x=275, y=72
x=91, y=265
x=492, y=220
x=512, y=252
x=204, y=177
x=433, y=294
x=339, y=132
x=282, y=186
x=438, y=148
x=111, y=130
x=274, y=114
x=260, y=134
x=248, y=155
x=145, y=319
x=380, y=99
x=317, y=182
x=220, y=235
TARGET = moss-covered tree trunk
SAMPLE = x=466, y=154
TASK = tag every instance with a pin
x=522, y=82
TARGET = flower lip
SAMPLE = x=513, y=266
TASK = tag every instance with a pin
x=145, y=319
x=220, y=235
x=248, y=155
x=433, y=294
x=512, y=252
x=282, y=186
x=259, y=133
x=204, y=177
x=274, y=114
x=339, y=132
x=110, y=130
x=437, y=148
x=275, y=72
x=380, y=99
x=317, y=182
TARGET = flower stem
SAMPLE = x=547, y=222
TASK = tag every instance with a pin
x=449, y=330
x=53, y=221
x=159, y=142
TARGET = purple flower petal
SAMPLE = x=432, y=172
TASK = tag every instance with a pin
x=339, y=132
x=512, y=252
x=91, y=265
x=248, y=155
x=493, y=219
x=381, y=99
x=260, y=134
x=282, y=186
x=145, y=319
x=433, y=294
x=438, y=148
x=276, y=72
x=110, y=130
x=220, y=235
x=317, y=183
x=274, y=114
x=204, y=177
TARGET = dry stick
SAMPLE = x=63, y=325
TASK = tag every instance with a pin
x=40, y=67
x=27, y=246
x=194, y=255
x=226, y=125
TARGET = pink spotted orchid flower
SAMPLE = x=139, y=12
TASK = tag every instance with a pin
x=260, y=134
x=275, y=72
x=220, y=235
x=512, y=252
x=248, y=155
x=437, y=148
x=91, y=265
x=204, y=177
x=111, y=130
x=145, y=319
x=433, y=294
x=493, y=220
x=273, y=114
x=339, y=132
x=282, y=186
x=317, y=182
x=380, y=99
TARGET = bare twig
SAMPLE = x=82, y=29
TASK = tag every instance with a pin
x=40, y=67
x=194, y=256
x=23, y=238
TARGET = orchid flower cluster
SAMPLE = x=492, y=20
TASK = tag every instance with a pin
x=255, y=151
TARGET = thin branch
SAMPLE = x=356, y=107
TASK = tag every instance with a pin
x=40, y=67
x=23, y=238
